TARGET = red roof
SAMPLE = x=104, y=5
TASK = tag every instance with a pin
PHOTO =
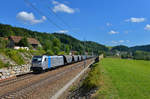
x=4, y=38
x=16, y=39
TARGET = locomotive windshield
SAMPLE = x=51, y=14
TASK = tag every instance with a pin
x=37, y=59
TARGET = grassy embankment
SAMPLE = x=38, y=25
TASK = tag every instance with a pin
x=120, y=79
x=16, y=56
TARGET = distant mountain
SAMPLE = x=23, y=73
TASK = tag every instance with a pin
x=134, y=48
x=141, y=48
x=120, y=48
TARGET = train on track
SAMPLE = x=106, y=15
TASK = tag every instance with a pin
x=41, y=63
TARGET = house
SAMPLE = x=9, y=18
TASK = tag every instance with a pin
x=14, y=40
x=72, y=52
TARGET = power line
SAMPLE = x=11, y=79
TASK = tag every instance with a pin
x=61, y=19
x=41, y=13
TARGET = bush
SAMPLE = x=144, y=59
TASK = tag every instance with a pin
x=49, y=52
x=23, y=42
x=15, y=56
x=62, y=53
x=3, y=43
x=36, y=52
x=2, y=65
x=93, y=78
x=141, y=55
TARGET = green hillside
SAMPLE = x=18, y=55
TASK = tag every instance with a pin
x=48, y=40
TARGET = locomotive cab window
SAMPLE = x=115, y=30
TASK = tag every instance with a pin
x=45, y=59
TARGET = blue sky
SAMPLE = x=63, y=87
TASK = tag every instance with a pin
x=109, y=22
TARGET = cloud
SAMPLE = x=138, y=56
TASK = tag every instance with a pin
x=147, y=27
x=26, y=17
x=127, y=41
x=120, y=41
x=60, y=7
x=113, y=32
x=108, y=24
x=135, y=20
x=114, y=42
x=62, y=31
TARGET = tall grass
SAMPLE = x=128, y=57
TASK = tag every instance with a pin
x=92, y=81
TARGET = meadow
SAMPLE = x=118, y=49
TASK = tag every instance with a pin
x=124, y=79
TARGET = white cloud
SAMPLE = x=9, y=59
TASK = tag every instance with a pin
x=121, y=41
x=136, y=20
x=60, y=7
x=62, y=31
x=147, y=27
x=127, y=41
x=113, y=32
x=108, y=24
x=29, y=18
x=114, y=42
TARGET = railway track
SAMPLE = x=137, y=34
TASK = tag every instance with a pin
x=25, y=91
x=16, y=79
x=24, y=86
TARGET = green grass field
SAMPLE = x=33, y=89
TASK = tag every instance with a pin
x=124, y=79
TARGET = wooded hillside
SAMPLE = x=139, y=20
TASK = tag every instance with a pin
x=54, y=41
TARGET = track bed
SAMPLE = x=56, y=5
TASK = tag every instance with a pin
x=40, y=86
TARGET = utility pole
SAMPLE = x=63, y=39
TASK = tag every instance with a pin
x=84, y=53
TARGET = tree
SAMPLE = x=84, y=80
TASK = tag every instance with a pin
x=3, y=43
x=56, y=50
x=23, y=42
x=50, y=52
x=47, y=45
x=67, y=49
x=61, y=53
x=56, y=46
x=56, y=43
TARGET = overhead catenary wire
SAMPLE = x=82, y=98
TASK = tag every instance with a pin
x=41, y=13
x=60, y=18
x=54, y=13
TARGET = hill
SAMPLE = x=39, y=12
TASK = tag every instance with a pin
x=49, y=40
x=141, y=48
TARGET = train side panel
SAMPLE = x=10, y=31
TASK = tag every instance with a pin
x=79, y=58
x=68, y=58
x=75, y=58
x=57, y=61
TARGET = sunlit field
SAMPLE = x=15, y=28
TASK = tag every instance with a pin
x=124, y=79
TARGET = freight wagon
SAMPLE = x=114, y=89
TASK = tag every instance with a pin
x=41, y=63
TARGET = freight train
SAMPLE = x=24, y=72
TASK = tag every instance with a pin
x=41, y=63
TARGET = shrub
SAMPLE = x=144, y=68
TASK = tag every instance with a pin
x=2, y=64
x=93, y=78
x=15, y=56
x=49, y=52
x=62, y=53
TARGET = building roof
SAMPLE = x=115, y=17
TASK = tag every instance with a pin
x=16, y=39
x=4, y=38
x=33, y=41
